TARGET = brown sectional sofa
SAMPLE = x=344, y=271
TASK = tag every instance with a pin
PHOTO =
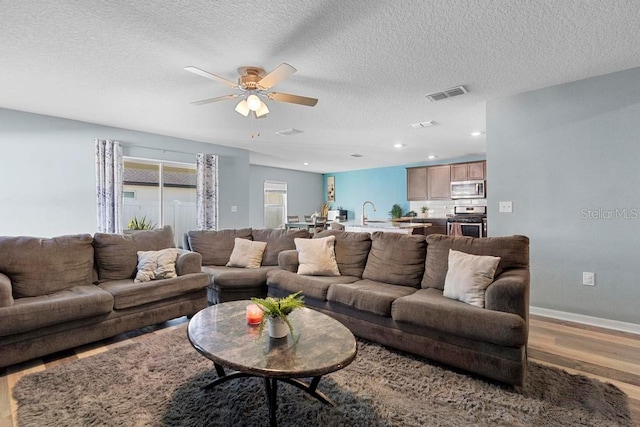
x=66, y=291
x=391, y=291
x=235, y=283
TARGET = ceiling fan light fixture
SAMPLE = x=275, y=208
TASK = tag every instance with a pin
x=263, y=110
x=243, y=108
x=254, y=102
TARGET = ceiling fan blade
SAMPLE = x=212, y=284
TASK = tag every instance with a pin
x=281, y=72
x=294, y=99
x=208, y=75
x=210, y=100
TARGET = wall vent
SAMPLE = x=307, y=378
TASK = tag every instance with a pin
x=423, y=124
x=454, y=91
x=289, y=132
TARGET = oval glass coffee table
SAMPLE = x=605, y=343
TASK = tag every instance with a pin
x=319, y=345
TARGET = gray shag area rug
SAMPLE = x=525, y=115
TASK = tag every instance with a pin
x=157, y=382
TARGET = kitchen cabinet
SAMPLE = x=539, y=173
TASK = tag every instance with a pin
x=439, y=182
x=417, y=183
x=468, y=171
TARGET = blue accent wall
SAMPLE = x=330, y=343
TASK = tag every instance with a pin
x=383, y=186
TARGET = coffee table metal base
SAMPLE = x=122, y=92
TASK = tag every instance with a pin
x=271, y=388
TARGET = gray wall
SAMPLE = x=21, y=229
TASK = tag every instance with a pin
x=47, y=172
x=568, y=157
x=304, y=192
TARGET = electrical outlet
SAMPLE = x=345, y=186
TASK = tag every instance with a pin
x=234, y=209
x=506, y=207
x=588, y=279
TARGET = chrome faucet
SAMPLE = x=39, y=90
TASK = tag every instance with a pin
x=363, y=219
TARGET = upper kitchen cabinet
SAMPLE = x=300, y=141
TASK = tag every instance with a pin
x=417, y=183
x=439, y=182
x=468, y=171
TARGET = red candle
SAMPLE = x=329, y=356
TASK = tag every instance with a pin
x=254, y=314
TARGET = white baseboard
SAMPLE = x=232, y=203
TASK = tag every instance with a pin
x=586, y=320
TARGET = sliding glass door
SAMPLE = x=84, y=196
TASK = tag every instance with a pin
x=158, y=194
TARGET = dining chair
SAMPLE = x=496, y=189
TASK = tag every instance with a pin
x=320, y=221
x=307, y=218
x=293, y=218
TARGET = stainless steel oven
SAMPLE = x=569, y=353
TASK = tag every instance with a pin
x=468, y=190
x=467, y=221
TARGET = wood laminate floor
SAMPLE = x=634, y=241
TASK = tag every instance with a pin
x=606, y=355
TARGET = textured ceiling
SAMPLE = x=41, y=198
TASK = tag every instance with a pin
x=370, y=64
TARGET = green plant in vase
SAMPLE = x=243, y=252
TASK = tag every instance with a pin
x=396, y=211
x=277, y=310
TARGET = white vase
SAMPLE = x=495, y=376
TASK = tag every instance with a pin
x=278, y=328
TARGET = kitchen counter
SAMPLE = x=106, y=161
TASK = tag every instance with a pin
x=382, y=225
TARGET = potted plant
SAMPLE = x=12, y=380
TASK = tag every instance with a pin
x=142, y=223
x=276, y=311
x=425, y=211
x=396, y=212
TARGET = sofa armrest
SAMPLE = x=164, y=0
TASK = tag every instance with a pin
x=188, y=262
x=288, y=260
x=510, y=293
x=6, y=295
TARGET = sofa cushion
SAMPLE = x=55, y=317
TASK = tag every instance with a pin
x=216, y=246
x=246, y=253
x=368, y=295
x=468, y=276
x=128, y=294
x=430, y=309
x=38, y=266
x=396, y=258
x=513, y=252
x=78, y=302
x=277, y=241
x=352, y=250
x=317, y=257
x=156, y=265
x=234, y=277
x=117, y=254
x=311, y=286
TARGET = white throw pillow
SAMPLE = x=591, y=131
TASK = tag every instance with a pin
x=317, y=257
x=246, y=253
x=469, y=276
x=155, y=265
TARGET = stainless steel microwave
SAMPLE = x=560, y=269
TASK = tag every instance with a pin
x=468, y=190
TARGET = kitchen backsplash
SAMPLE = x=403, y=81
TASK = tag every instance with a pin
x=436, y=208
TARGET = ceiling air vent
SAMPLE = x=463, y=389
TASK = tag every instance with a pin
x=423, y=124
x=454, y=91
x=289, y=132
x=356, y=155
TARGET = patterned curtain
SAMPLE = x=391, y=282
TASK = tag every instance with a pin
x=109, y=168
x=207, y=191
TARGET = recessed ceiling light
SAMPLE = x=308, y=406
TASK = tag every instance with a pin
x=476, y=133
x=306, y=163
x=398, y=145
x=431, y=157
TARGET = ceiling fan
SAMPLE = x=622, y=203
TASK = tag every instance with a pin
x=254, y=85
